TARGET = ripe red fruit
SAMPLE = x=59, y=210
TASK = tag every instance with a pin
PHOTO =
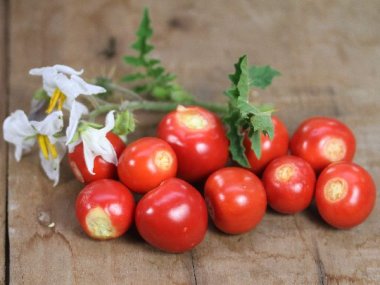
x=236, y=199
x=270, y=149
x=102, y=168
x=104, y=209
x=289, y=182
x=172, y=217
x=145, y=163
x=321, y=141
x=198, y=139
x=345, y=194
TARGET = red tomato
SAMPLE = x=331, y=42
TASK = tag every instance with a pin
x=145, y=163
x=198, y=139
x=236, y=199
x=172, y=217
x=104, y=209
x=270, y=149
x=345, y=194
x=321, y=140
x=102, y=168
x=289, y=182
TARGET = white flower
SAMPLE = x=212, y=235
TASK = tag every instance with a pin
x=63, y=85
x=17, y=130
x=21, y=132
x=96, y=143
x=51, y=164
x=76, y=113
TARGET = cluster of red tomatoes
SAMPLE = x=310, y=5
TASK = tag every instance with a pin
x=192, y=145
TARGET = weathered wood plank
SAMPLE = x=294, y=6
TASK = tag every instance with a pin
x=3, y=146
x=328, y=53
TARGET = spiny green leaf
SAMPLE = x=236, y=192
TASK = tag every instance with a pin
x=255, y=138
x=247, y=108
x=236, y=137
x=261, y=76
x=243, y=83
x=263, y=123
x=240, y=80
x=236, y=76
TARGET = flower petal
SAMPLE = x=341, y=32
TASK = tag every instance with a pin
x=96, y=143
x=76, y=113
x=18, y=131
x=51, y=166
x=86, y=88
x=49, y=75
x=52, y=124
x=67, y=69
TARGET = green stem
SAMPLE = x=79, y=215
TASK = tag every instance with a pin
x=151, y=106
x=126, y=91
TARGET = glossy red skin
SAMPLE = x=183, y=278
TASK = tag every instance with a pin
x=137, y=168
x=113, y=197
x=292, y=195
x=270, y=149
x=307, y=141
x=356, y=206
x=199, y=152
x=236, y=199
x=172, y=217
x=102, y=168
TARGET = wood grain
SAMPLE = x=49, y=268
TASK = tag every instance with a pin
x=3, y=146
x=329, y=54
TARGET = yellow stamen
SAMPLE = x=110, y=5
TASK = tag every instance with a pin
x=51, y=147
x=43, y=146
x=47, y=147
x=58, y=98
x=62, y=100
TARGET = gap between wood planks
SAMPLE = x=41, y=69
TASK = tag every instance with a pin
x=6, y=60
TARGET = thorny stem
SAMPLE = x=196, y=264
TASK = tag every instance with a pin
x=124, y=90
x=151, y=106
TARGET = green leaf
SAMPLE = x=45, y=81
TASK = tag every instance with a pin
x=178, y=94
x=240, y=81
x=133, y=77
x=236, y=137
x=261, y=76
x=263, y=123
x=124, y=123
x=247, y=108
x=156, y=72
x=144, y=33
x=134, y=61
x=243, y=83
x=255, y=138
x=153, y=80
x=141, y=88
x=160, y=93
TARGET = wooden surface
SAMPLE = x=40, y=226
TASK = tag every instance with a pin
x=3, y=146
x=329, y=54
